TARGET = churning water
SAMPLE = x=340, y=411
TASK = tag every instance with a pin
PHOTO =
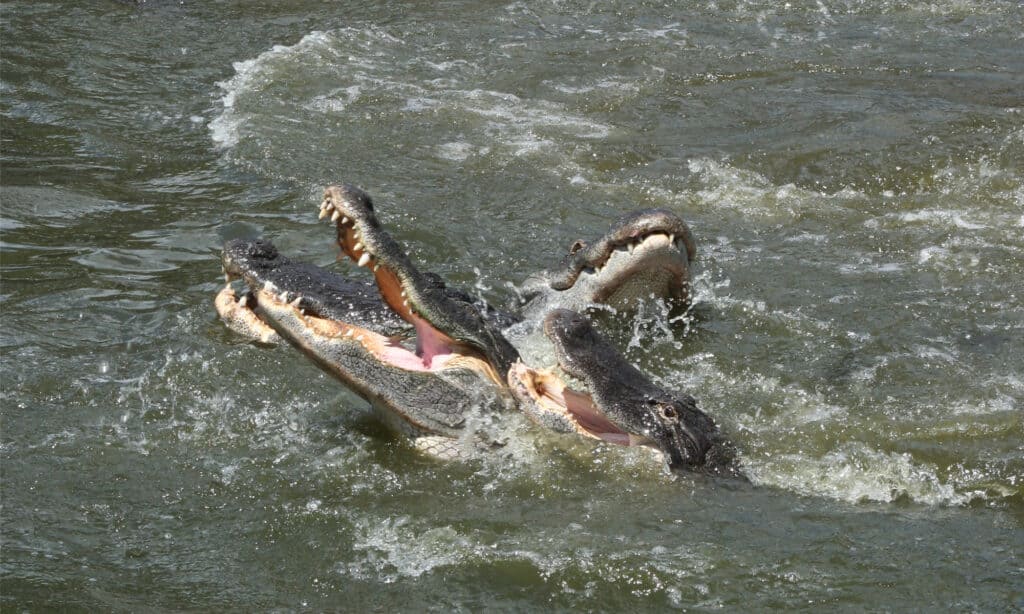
x=853, y=173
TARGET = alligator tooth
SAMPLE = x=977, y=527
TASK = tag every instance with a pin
x=359, y=338
x=358, y=247
x=631, y=246
x=403, y=294
x=283, y=297
x=296, y=302
x=364, y=259
x=349, y=332
x=302, y=312
x=323, y=214
x=345, y=220
x=376, y=265
x=335, y=215
x=243, y=301
x=671, y=239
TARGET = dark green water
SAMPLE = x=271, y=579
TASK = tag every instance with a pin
x=853, y=173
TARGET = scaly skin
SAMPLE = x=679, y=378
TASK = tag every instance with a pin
x=348, y=331
x=646, y=252
x=422, y=300
x=621, y=404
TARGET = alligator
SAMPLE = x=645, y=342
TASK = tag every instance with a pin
x=646, y=253
x=424, y=353
x=346, y=329
x=620, y=405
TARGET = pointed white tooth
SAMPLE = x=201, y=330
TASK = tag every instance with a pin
x=296, y=302
x=345, y=220
x=302, y=312
x=358, y=246
x=405, y=302
x=671, y=239
x=403, y=294
x=335, y=215
x=323, y=214
x=242, y=302
x=359, y=338
x=631, y=246
x=324, y=204
x=349, y=332
x=364, y=259
x=376, y=265
x=284, y=297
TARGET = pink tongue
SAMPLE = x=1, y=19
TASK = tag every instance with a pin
x=429, y=341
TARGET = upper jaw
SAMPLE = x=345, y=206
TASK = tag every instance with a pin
x=415, y=297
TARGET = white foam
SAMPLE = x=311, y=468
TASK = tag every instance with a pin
x=337, y=72
x=864, y=266
x=726, y=186
x=397, y=549
x=457, y=151
x=855, y=472
x=224, y=129
x=933, y=252
x=954, y=218
x=336, y=101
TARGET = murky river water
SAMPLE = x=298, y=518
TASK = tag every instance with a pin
x=853, y=173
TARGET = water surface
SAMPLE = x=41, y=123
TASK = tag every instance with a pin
x=852, y=172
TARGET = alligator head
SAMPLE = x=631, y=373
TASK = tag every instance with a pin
x=442, y=317
x=646, y=252
x=348, y=331
x=622, y=406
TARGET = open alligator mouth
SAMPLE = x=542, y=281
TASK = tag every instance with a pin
x=555, y=405
x=647, y=252
x=621, y=405
x=392, y=351
x=345, y=328
x=632, y=270
x=442, y=318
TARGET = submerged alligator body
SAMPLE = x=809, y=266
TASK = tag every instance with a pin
x=426, y=355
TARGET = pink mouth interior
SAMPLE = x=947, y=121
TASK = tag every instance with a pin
x=430, y=343
x=580, y=406
x=433, y=349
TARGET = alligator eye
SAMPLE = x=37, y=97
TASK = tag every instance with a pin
x=668, y=412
